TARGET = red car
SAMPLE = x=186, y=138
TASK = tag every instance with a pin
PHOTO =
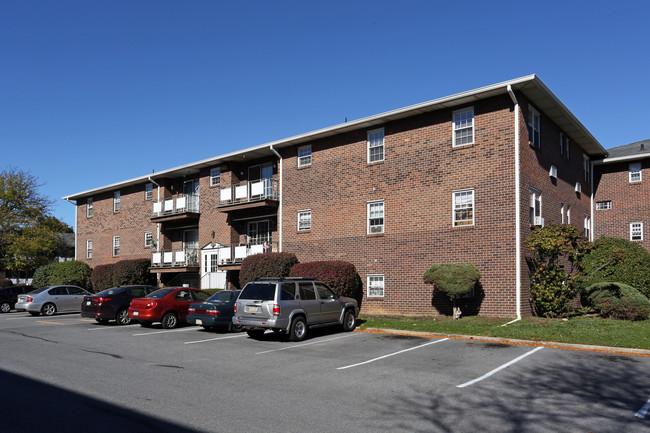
x=168, y=306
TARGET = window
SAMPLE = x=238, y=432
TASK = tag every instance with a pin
x=536, y=208
x=376, y=145
x=586, y=166
x=561, y=213
x=463, y=127
x=561, y=143
x=635, y=172
x=304, y=220
x=148, y=239
x=463, y=208
x=89, y=249
x=116, y=201
x=304, y=156
x=587, y=226
x=568, y=214
x=636, y=231
x=116, y=246
x=567, y=143
x=89, y=207
x=534, y=127
x=148, y=191
x=215, y=176
x=603, y=205
x=376, y=217
x=375, y=286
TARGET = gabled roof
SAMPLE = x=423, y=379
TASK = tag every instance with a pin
x=628, y=152
x=531, y=86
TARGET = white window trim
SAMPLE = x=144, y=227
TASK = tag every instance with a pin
x=215, y=180
x=631, y=231
x=383, y=145
x=587, y=226
x=90, y=207
x=561, y=213
x=568, y=214
x=453, y=207
x=383, y=225
x=116, y=244
x=150, y=233
x=89, y=248
x=533, y=115
x=148, y=195
x=634, y=166
x=383, y=286
x=604, y=205
x=536, y=196
x=117, y=198
x=454, y=129
x=300, y=158
x=304, y=211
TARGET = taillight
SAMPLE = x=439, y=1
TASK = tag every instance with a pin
x=191, y=310
x=100, y=300
x=151, y=304
x=213, y=312
x=276, y=310
x=30, y=299
x=235, y=307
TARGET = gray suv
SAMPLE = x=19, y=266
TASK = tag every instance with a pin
x=291, y=306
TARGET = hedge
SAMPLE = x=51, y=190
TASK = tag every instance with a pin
x=71, y=272
x=341, y=276
x=5, y=282
x=42, y=276
x=266, y=265
x=617, y=301
x=122, y=273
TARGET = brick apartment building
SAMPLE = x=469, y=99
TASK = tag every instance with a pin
x=463, y=178
x=622, y=194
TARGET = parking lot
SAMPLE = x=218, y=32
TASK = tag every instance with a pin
x=65, y=373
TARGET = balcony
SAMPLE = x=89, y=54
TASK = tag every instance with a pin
x=185, y=260
x=230, y=258
x=247, y=195
x=175, y=208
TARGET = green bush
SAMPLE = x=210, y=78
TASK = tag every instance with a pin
x=122, y=273
x=620, y=260
x=455, y=280
x=342, y=277
x=71, y=272
x=617, y=301
x=42, y=276
x=266, y=265
x=5, y=282
x=102, y=277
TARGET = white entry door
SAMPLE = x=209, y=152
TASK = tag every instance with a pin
x=211, y=276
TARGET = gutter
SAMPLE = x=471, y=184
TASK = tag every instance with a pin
x=75, y=225
x=157, y=224
x=272, y=149
x=517, y=209
x=622, y=158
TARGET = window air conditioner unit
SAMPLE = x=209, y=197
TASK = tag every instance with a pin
x=539, y=221
x=578, y=187
x=553, y=171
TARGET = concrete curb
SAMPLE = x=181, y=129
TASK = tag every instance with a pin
x=551, y=344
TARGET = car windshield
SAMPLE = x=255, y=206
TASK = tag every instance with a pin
x=221, y=297
x=113, y=291
x=34, y=292
x=258, y=291
x=160, y=293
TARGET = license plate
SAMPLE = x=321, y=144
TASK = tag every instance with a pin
x=87, y=302
x=135, y=313
x=253, y=309
x=199, y=322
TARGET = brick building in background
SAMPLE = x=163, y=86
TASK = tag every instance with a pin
x=463, y=178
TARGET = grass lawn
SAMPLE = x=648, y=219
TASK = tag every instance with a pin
x=580, y=330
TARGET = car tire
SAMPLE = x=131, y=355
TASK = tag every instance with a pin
x=122, y=317
x=35, y=313
x=349, y=321
x=235, y=328
x=101, y=321
x=298, y=329
x=169, y=321
x=146, y=324
x=255, y=334
x=5, y=307
x=48, y=309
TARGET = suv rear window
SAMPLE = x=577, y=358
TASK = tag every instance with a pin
x=258, y=291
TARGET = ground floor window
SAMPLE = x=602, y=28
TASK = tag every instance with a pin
x=89, y=249
x=375, y=286
x=636, y=231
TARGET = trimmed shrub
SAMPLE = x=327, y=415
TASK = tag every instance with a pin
x=136, y=271
x=620, y=260
x=342, y=277
x=5, y=282
x=102, y=277
x=617, y=301
x=456, y=280
x=42, y=276
x=71, y=272
x=266, y=265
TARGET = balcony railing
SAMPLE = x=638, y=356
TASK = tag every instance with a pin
x=185, y=258
x=235, y=254
x=176, y=205
x=249, y=192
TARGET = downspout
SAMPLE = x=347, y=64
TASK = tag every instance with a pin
x=517, y=208
x=158, y=276
x=280, y=198
x=75, y=226
x=592, y=223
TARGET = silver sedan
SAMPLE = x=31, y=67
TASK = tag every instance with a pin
x=52, y=299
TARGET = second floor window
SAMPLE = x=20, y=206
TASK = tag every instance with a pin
x=463, y=208
x=635, y=172
x=89, y=207
x=376, y=217
x=116, y=246
x=304, y=156
x=304, y=220
x=463, y=130
x=534, y=121
x=116, y=201
x=215, y=176
x=148, y=239
x=376, y=145
x=604, y=205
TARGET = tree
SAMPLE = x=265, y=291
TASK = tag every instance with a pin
x=29, y=234
x=456, y=280
x=552, y=287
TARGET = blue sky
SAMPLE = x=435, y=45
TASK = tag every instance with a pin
x=95, y=92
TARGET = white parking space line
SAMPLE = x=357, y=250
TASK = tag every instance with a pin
x=215, y=339
x=298, y=346
x=111, y=327
x=164, y=332
x=393, y=354
x=496, y=370
x=643, y=411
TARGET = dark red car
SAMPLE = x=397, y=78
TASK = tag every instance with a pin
x=167, y=306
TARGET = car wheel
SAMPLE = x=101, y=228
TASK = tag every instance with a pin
x=169, y=321
x=122, y=317
x=102, y=321
x=34, y=313
x=255, y=334
x=349, y=321
x=235, y=328
x=298, y=329
x=48, y=309
x=146, y=324
x=5, y=307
